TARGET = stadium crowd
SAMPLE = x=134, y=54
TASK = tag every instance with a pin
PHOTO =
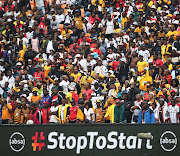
x=89, y=61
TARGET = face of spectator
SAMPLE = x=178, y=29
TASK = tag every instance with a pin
x=55, y=91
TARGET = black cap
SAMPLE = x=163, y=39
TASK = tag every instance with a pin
x=33, y=104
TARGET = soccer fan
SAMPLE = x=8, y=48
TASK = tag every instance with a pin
x=86, y=51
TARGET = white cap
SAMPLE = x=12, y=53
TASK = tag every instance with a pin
x=110, y=71
x=19, y=64
x=150, y=60
x=173, y=48
x=123, y=60
x=153, y=7
x=29, y=15
x=135, y=23
x=9, y=20
x=165, y=6
x=78, y=55
x=148, y=21
x=175, y=22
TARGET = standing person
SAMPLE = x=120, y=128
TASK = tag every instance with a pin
x=35, y=97
x=25, y=113
x=73, y=112
x=98, y=112
x=101, y=69
x=78, y=21
x=88, y=112
x=119, y=113
x=40, y=5
x=146, y=114
x=109, y=26
x=136, y=108
x=46, y=97
x=35, y=114
x=38, y=75
x=87, y=90
x=6, y=112
x=110, y=111
x=173, y=110
x=55, y=95
x=63, y=112
x=52, y=111
x=16, y=117
x=161, y=111
x=45, y=112
x=141, y=64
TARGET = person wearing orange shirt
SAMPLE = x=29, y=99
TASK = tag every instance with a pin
x=35, y=97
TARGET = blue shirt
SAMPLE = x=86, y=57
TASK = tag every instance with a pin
x=148, y=116
x=43, y=99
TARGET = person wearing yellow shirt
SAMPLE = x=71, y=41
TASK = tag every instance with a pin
x=78, y=20
x=124, y=19
x=76, y=74
x=138, y=29
x=66, y=32
x=22, y=50
x=141, y=64
x=145, y=81
x=110, y=111
x=172, y=32
x=47, y=68
x=6, y=112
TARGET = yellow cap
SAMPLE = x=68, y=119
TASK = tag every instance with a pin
x=169, y=15
x=101, y=76
x=35, y=89
x=112, y=75
x=141, y=10
x=98, y=101
x=61, y=67
x=53, y=15
x=40, y=60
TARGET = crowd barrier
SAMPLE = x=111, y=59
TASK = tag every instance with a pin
x=90, y=140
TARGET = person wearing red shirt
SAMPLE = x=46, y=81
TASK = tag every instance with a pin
x=159, y=63
x=167, y=76
x=82, y=38
x=38, y=75
x=92, y=18
x=45, y=112
x=97, y=50
x=11, y=6
x=115, y=63
x=42, y=25
x=87, y=90
x=73, y=112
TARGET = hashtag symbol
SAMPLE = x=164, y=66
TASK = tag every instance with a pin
x=36, y=142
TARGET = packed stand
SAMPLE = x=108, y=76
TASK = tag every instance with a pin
x=89, y=61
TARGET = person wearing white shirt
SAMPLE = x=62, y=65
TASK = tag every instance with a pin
x=11, y=79
x=173, y=112
x=30, y=33
x=89, y=113
x=60, y=16
x=101, y=69
x=52, y=112
x=136, y=108
x=64, y=83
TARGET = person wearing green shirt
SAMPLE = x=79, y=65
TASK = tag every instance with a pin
x=119, y=112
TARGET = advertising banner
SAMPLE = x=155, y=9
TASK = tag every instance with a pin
x=91, y=139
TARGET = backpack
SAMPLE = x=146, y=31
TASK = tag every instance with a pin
x=75, y=96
